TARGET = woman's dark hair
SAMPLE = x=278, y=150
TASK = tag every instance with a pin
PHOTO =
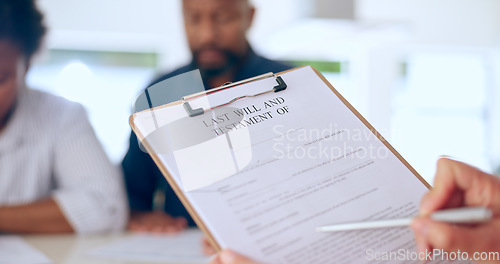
x=22, y=23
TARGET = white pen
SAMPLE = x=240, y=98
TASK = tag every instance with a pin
x=464, y=215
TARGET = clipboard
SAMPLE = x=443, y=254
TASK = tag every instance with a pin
x=281, y=85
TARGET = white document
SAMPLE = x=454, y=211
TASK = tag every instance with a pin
x=14, y=250
x=312, y=163
x=184, y=247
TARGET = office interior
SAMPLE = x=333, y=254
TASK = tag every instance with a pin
x=425, y=73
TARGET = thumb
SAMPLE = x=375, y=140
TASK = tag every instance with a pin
x=230, y=257
x=452, y=238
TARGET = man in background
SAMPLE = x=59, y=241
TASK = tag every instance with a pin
x=216, y=33
x=54, y=174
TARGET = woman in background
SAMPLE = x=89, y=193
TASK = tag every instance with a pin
x=54, y=174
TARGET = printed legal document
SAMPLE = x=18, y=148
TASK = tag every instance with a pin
x=263, y=173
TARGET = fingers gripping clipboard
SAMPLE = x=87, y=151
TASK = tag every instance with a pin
x=260, y=163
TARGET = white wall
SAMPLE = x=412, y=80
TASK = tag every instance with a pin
x=439, y=22
x=126, y=25
x=148, y=25
x=450, y=28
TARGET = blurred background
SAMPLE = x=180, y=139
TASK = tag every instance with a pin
x=425, y=73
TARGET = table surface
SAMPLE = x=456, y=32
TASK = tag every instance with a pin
x=73, y=249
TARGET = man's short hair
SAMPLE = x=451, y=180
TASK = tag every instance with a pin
x=22, y=23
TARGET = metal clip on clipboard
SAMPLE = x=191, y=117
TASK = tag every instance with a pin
x=199, y=111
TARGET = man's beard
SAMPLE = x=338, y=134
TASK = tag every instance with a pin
x=232, y=60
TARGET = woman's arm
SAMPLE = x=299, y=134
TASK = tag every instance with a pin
x=43, y=216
